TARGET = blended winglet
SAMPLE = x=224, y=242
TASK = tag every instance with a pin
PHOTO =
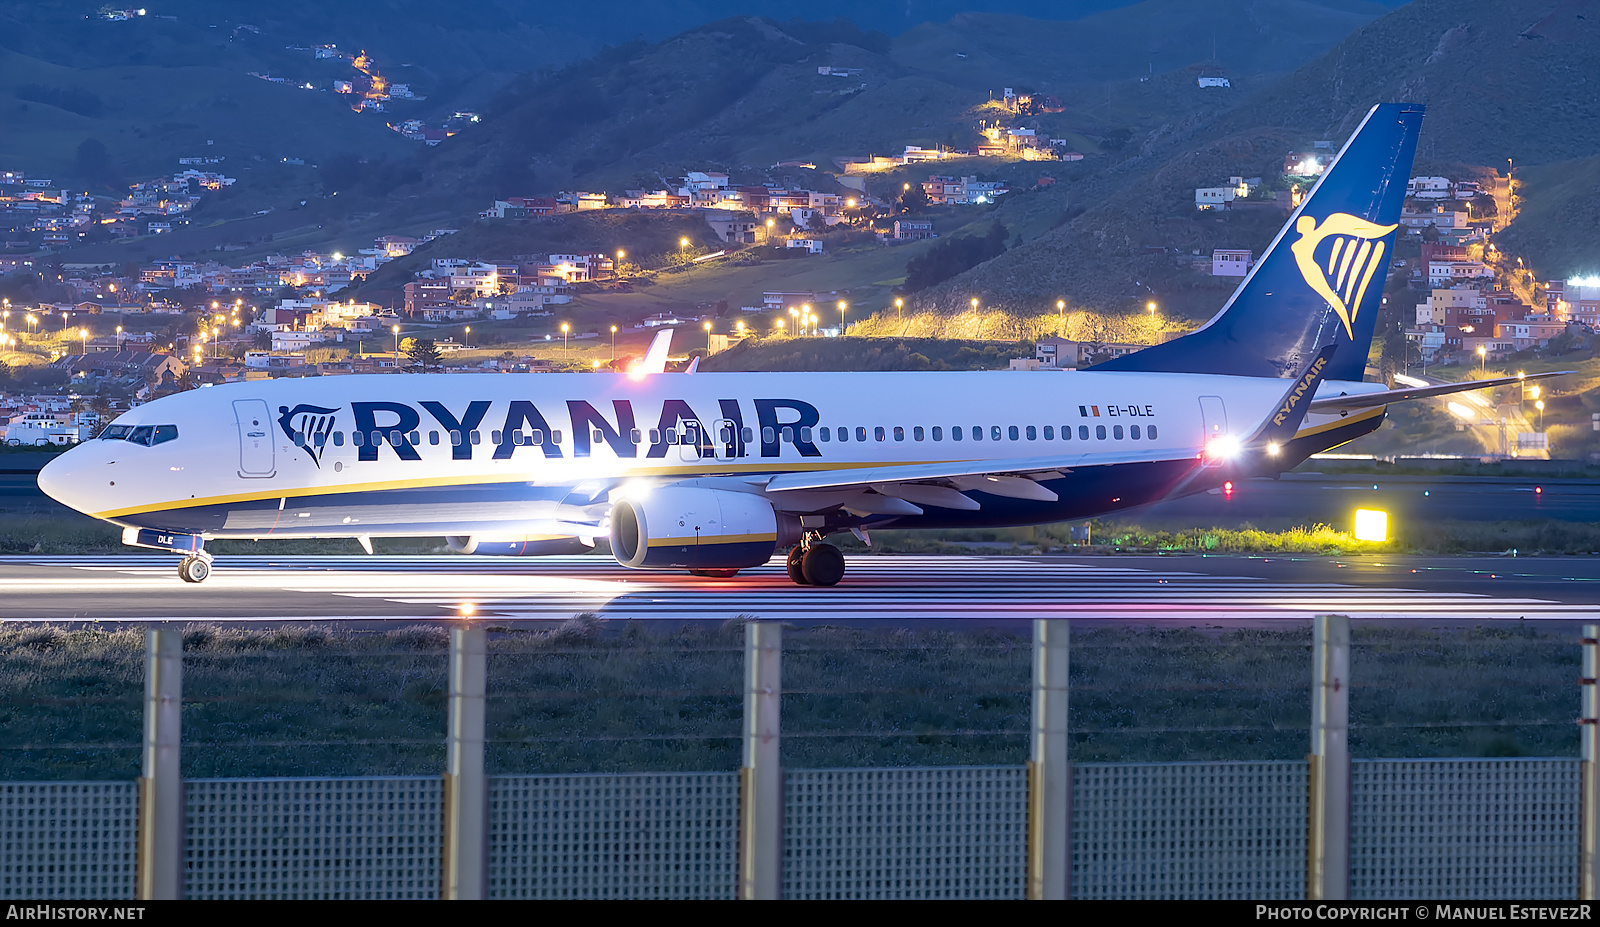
x=1284, y=421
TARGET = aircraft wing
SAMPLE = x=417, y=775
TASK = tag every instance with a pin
x=1014, y=477
x=1384, y=397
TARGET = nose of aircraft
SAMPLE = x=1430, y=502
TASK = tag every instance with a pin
x=66, y=479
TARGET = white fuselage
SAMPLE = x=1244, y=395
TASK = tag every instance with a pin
x=535, y=454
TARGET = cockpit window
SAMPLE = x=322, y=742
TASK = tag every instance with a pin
x=147, y=435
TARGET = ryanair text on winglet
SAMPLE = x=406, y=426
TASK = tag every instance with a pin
x=1306, y=379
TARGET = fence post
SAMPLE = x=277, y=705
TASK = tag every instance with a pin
x=466, y=794
x=1328, y=810
x=1049, y=768
x=161, y=811
x=1589, y=736
x=760, y=776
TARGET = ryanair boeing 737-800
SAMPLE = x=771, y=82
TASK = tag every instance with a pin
x=714, y=472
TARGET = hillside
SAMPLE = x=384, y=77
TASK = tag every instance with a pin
x=1238, y=37
x=1526, y=60
x=1556, y=230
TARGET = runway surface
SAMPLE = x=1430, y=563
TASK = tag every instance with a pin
x=1223, y=591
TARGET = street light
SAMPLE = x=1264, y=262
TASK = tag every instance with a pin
x=780, y=328
x=119, y=337
x=1482, y=359
x=1540, y=406
x=566, y=340
x=396, y=330
x=1061, y=314
x=83, y=335
x=842, y=307
x=466, y=337
x=1151, y=305
x=974, y=304
x=707, y=327
x=613, y=342
x=898, y=303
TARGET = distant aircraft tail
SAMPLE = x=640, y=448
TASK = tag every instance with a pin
x=1321, y=280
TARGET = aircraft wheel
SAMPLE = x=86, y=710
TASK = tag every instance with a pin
x=194, y=569
x=795, y=572
x=822, y=565
x=715, y=574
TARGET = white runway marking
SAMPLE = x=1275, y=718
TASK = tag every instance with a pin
x=894, y=587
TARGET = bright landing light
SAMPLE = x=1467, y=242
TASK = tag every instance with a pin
x=1223, y=447
x=1372, y=525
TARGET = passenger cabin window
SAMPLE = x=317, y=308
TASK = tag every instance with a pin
x=977, y=433
x=955, y=433
x=1033, y=434
x=805, y=436
x=787, y=433
x=1100, y=432
x=477, y=437
x=1049, y=432
x=938, y=433
x=994, y=432
x=338, y=439
x=1011, y=432
x=899, y=433
x=768, y=436
x=1150, y=432
x=746, y=434
x=877, y=433
x=861, y=433
x=455, y=437
x=1133, y=432
x=825, y=435
x=916, y=433
x=844, y=433
x=1083, y=432
x=1116, y=432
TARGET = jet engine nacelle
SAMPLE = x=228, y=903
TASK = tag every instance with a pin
x=521, y=546
x=689, y=528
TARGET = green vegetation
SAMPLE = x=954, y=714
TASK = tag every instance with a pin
x=589, y=697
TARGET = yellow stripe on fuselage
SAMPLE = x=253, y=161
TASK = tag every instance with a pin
x=1341, y=423
x=485, y=480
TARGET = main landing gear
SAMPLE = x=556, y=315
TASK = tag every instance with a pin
x=195, y=568
x=813, y=563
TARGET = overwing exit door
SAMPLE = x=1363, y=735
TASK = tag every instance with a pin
x=255, y=438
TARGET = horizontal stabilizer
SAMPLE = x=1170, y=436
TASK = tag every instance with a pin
x=1384, y=397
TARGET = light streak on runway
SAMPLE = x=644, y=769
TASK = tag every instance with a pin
x=886, y=587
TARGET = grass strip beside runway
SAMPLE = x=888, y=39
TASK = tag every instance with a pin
x=589, y=696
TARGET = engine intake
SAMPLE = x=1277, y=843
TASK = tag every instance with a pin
x=690, y=528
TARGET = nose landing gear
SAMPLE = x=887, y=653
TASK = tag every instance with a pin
x=195, y=568
x=813, y=563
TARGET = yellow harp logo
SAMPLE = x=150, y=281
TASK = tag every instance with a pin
x=1340, y=272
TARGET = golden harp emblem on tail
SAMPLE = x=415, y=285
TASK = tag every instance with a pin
x=1341, y=272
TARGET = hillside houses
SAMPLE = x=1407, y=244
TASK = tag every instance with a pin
x=1465, y=318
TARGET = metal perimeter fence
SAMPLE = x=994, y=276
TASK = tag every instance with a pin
x=1448, y=828
x=1324, y=827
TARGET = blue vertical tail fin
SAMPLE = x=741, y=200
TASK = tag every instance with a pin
x=1321, y=280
